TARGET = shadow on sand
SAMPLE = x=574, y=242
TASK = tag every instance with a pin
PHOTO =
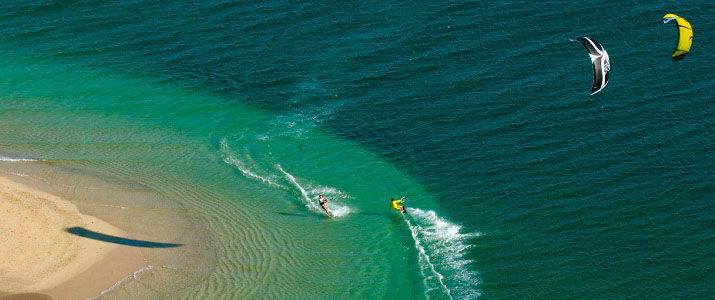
x=79, y=231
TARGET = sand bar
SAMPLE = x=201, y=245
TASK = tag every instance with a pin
x=38, y=254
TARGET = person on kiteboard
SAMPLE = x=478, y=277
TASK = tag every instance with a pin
x=395, y=204
x=322, y=201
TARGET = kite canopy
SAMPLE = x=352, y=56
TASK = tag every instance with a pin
x=685, y=36
x=600, y=61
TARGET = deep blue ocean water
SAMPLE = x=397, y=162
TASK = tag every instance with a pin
x=478, y=112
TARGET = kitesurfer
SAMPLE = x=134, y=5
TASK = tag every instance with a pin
x=322, y=201
x=395, y=204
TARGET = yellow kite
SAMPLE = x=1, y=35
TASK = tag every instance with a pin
x=685, y=36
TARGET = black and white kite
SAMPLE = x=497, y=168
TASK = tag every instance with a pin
x=599, y=59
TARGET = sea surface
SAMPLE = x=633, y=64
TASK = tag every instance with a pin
x=216, y=124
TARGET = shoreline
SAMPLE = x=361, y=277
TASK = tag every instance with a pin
x=40, y=258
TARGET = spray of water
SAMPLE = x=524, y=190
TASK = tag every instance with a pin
x=425, y=263
x=441, y=254
x=309, y=197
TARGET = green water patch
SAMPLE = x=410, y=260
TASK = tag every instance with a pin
x=248, y=179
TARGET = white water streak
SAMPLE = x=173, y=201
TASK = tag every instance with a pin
x=424, y=260
x=5, y=158
x=441, y=249
x=311, y=202
x=250, y=169
x=240, y=164
x=132, y=277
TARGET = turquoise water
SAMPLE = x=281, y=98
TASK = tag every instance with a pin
x=216, y=125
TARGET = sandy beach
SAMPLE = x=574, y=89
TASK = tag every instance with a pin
x=39, y=257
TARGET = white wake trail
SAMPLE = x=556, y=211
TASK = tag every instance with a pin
x=310, y=198
x=425, y=263
x=441, y=255
x=5, y=158
x=241, y=165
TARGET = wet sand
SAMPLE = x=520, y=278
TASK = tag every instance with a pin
x=38, y=257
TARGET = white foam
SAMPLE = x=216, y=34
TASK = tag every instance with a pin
x=124, y=280
x=441, y=249
x=333, y=194
x=243, y=164
x=310, y=198
x=326, y=190
x=426, y=264
x=337, y=210
x=5, y=158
